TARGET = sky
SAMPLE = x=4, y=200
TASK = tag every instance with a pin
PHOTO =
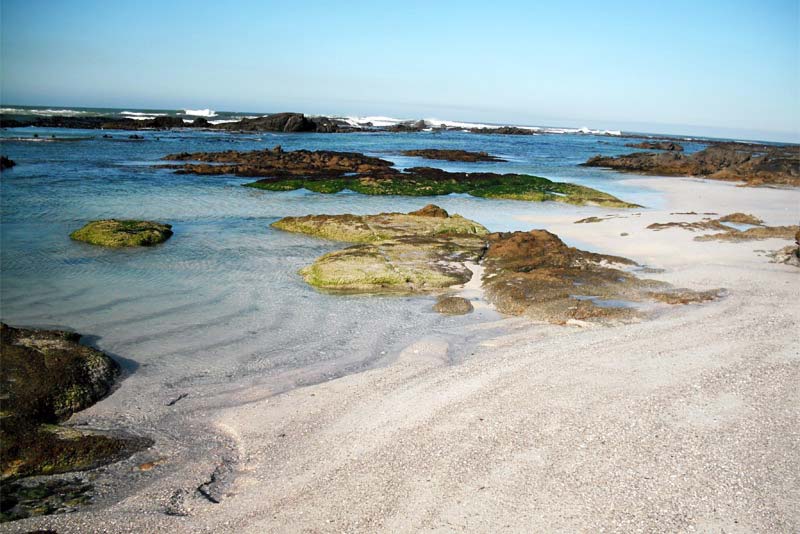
x=723, y=68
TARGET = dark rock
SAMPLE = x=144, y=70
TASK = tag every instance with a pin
x=753, y=164
x=657, y=145
x=6, y=163
x=286, y=122
x=136, y=137
x=504, y=130
x=47, y=376
x=452, y=155
x=401, y=127
x=201, y=122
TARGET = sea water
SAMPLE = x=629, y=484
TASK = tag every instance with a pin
x=222, y=300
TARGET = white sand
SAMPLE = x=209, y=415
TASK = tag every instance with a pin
x=686, y=423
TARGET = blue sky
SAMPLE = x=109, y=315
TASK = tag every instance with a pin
x=713, y=68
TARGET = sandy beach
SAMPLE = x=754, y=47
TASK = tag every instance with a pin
x=689, y=422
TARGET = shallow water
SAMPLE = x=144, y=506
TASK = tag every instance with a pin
x=221, y=299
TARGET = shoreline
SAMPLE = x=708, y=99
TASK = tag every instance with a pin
x=552, y=425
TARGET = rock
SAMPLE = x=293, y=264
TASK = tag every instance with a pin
x=741, y=218
x=409, y=126
x=136, y=137
x=332, y=172
x=753, y=164
x=657, y=145
x=381, y=227
x=123, y=233
x=537, y=275
x=201, y=122
x=46, y=377
x=453, y=305
x=757, y=233
x=6, y=163
x=504, y=130
x=431, y=210
x=451, y=155
x=789, y=255
x=287, y=122
x=398, y=252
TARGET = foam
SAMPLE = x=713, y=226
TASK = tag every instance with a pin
x=200, y=112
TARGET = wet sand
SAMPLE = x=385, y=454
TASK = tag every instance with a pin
x=688, y=422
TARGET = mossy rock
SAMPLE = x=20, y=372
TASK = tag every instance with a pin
x=123, y=233
x=424, y=250
x=46, y=376
x=407, y=264
x=381, y=227
x=449, y=305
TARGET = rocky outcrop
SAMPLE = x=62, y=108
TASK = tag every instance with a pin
x=537, y=275
x=426, y=222
x=6, y=163
x=753, y=164
x=46, y=377
x=669, y=146
x=332, y=172
x=123, y=233
x=451, y=155
x=504, y=130
x=409, y=126
x=729, y=233
x=396, y=252
x=287, y=123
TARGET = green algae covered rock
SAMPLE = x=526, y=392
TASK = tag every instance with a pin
x=123, y=233
x=449, y=305
x=383, y=226
x=405, y=264
x=424, y=250
x=45, y=377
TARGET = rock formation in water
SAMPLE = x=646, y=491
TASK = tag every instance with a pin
x=332, y=172
x=526, y=273
x=6, y=163
x=46, y=377
x=415, y=252
x=451, y=155
x=123, y=233
x=753, y=164
x=669, y=146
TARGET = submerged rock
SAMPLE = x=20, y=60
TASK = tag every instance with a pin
x=453, y=305
x=123, y=233
x=451, y=155
x=418, y=251
x=332, y=172
x=47, y=376
x=752, y=164
x=6, y=163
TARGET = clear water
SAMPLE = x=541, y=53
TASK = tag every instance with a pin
x=221, y=299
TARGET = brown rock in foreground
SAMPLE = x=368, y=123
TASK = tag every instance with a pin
x=753, y=164
x=537, y=275
x=453, y=306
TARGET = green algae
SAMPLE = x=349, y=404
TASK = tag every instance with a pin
x=432, y=182
x=123, y=233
